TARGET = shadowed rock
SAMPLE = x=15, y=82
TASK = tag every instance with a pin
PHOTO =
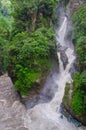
x=64, y=59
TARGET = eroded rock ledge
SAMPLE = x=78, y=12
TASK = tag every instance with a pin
x=12, y=112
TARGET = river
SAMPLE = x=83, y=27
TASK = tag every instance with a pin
x=47, y=116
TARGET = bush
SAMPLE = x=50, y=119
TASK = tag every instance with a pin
x=79, y=93
x=25, y=79
x=32, y=52
x=79, y=84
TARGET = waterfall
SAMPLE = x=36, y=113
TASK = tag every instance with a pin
x=47, y=116
x=62, y=32
x=61, y=67
x=64, y=75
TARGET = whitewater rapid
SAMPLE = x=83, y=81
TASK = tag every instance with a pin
x=47, y=116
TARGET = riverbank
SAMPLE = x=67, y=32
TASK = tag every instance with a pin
x=74, y=97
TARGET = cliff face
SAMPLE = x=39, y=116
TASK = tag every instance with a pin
x=12, y=112
x=67, y=104
x=72, y=6
x=73, y=100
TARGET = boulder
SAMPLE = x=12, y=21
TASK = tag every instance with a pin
x=64, y=59
x=12, y=111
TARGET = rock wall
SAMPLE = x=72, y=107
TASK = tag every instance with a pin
x=67, y=102
x=12, y=112
x=72, y=6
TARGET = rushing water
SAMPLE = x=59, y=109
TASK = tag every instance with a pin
x=47, y=116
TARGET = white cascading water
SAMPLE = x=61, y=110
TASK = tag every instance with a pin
x=62, y=32
x=46, y=116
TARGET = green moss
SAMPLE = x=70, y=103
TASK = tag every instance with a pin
x=66, y=99
x=25, y=79
x=78, y=95
x=78, y=104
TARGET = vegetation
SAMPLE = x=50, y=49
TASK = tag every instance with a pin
x=79, y=89
x=65, y=2
x=67, y=96
x=6, y=21
x=26, y=39
x=79, y=93
x=76, y=102
x=32, y=52
x=32, y=14
x=27, y=43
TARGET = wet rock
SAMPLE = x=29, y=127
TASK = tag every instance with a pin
x=72, y=6
x=67, y=109
x=1, y=73
x=64, y=59
x=69, y=118
x=61, y=48
x=61, y=116
x=72, y=70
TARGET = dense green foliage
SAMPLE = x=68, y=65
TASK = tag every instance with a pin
x=26, y=78
x=6, y=21
x=26, y=40
x=31, y=51
x=5, y=8
x=79, y=85
x=79, y=93
x=65, y=2
x=79, y=20
x=75, y=94
x=29, y=15
x=30, y=46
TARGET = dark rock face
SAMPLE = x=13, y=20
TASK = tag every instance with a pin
x=70, y=118
x=11, y=110
x=61, y=48
x=80, y=120
x=64, y=59
x=73, y=5
x=1, y=73
x=67, y=106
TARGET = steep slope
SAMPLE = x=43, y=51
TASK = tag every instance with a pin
x=75, y=95
x=12, y=112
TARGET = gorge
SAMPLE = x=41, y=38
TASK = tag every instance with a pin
x=47, y=116
x=30, y=47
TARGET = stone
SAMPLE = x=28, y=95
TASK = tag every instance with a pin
x=12, y=111
x=64, y=59
x=23, y=128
